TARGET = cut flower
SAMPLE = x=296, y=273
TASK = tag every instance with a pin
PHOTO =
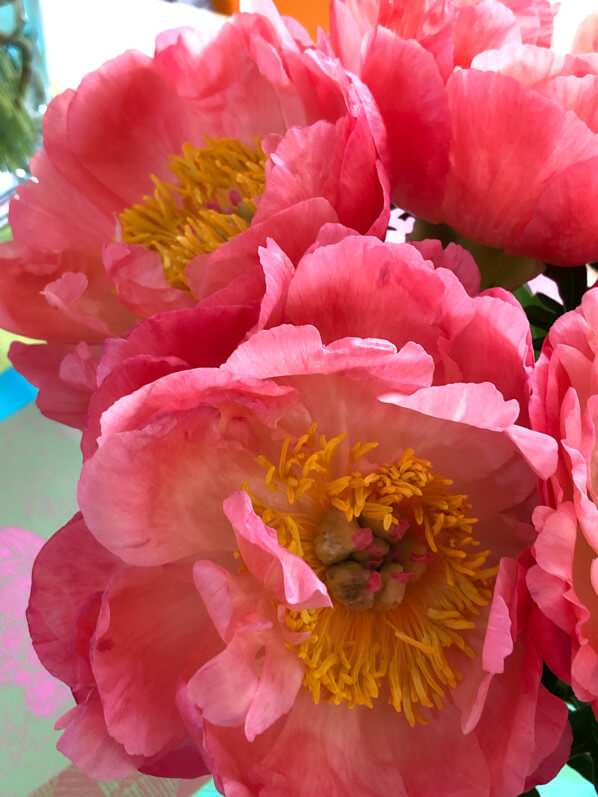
x=563, y=580
x=504, y=149
x=160, y=178
x=342, y=517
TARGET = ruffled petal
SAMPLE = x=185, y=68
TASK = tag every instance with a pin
x=152, y=630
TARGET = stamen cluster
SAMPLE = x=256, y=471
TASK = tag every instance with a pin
x=212, y=200
x=394, y=548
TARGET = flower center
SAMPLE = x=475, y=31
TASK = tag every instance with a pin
x=403, y=570
x=211, y=200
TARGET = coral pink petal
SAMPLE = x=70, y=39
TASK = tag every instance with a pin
x=86, y=742
x=190, y=391
x=64, y=374
x=234, y=601
x=280, y=681
x=385, y=751
x=225, y=686
x=286, y=576
x=510, y=741
x=535, y=19
x=338, y=288
x=51, y=212
x=416, y=115
x=138, y=276
x=200, y=337
x=553, y=739
x=577, y=94
x=495, y=346
x=438, y=440
x=130, y=105
x=289, y=350
x=233, y=87
x=278, y=273
x=479, y=405
x=455, y=259
x=499, y=638
x=346, y=34
x=337, y=162
x=136, y=489
x=123, y=379
x=264, y=695
x=62, y=296
x=493, y=207
x=152, y=630
x=534, y=67
x=487, y=25
x=59, y=594
x=577, y=243
x=294, y=229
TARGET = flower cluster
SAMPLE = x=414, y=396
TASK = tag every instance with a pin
x=334, y=518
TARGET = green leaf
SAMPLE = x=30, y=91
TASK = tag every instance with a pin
x=531, y=793
x=19, y=133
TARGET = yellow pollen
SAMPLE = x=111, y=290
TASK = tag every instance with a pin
x=211, y=199
x=369, y=645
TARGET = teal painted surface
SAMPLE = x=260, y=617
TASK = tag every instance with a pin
x=15, y=392
x=568, y=783
x=208, y=789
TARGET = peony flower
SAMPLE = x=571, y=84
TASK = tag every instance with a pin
x=504, y=150
x=305, y=559
x=159, y=179
x=563, y=580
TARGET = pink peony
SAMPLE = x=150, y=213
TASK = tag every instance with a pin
x=159, y=179
x=305, y=559
x=504, y=151
x=563, y=582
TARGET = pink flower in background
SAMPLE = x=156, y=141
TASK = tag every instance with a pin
x=321, y=522
x=563, y=582
x=159, y=179
x=504, y=150
x=19, y=665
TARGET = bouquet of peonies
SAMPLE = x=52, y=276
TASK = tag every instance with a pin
x=339, y=529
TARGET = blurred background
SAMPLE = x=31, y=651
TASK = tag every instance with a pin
x=46, y=46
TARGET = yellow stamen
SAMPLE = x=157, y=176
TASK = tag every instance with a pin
x=351, y=653
x=211, y=200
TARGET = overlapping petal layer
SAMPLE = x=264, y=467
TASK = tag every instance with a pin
x=190, y=158
x=503, y=149
x=208, y=472
x=563, y=580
